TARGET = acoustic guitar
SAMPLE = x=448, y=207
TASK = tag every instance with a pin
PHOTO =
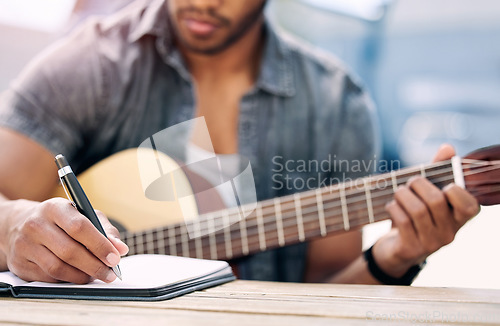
x=115, y=187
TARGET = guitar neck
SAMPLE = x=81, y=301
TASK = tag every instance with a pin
x=284, y=220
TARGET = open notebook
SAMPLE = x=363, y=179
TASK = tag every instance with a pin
x=145, y=278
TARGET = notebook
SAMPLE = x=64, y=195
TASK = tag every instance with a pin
x=145, y=278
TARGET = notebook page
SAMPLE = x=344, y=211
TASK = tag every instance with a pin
x=11, y=279
x=146, y=271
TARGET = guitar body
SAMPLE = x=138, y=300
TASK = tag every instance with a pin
x=124, y=184
x=114, y=187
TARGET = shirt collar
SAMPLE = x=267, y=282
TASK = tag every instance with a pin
x=152, y=21
x=276, y=72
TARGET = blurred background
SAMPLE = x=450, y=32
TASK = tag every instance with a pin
x=432, y=67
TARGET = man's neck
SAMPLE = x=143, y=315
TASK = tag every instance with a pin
x=243, y=56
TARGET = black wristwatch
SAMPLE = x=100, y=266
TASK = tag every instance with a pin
x=383, y=278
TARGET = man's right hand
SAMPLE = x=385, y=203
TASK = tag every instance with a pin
x=52, y=242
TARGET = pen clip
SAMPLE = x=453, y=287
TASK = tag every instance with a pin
x=67, y=193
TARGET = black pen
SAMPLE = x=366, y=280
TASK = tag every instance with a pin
x=78, y=198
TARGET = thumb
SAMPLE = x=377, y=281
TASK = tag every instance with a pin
x=445, y=152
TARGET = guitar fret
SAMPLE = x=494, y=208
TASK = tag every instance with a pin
x=211, y=237
x=343, y=203
x=227, y=236
x=199, y=248
x=161, y=241
x=369, y=202
x=394, y=181
x=139, y=244
x=279, y=222
x=422, y=170
x=300, y=221
x=197, y=240
x=260, y=226
x=321, y=212
x=131, y=244
x=196, y=229
x=243, y=232
x=150, y=248
x=172, y=244
x=185, y=242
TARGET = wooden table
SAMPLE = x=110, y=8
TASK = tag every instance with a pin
x=264, y=303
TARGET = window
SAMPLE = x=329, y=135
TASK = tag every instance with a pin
x=364, y=9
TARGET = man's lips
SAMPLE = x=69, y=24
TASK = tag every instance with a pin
x=199, y=27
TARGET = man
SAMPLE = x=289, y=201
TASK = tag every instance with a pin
x=118, y=81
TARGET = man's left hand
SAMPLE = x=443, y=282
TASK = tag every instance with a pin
x=425, y=218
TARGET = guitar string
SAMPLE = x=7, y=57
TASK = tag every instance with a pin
x=488, y=190
x=270, y=242
x=490, y=182
x=482, y=169
x=352, y=194
x=273, y=242
x=315, y=219
x=253, y=246
x=291, y=222
x=480, y=162
x=253, y=243
x=286, y=225
x=349, y=193
x=356, y=199
x=352, y=222
x=314, y=210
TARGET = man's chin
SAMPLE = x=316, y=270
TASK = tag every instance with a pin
x=204, y=49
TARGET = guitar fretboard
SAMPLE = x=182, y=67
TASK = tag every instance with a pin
x=283, y=220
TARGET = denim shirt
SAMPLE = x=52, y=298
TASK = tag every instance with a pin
x=118, y=80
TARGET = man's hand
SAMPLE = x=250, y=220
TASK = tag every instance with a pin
x=51, y=242
x=425, y=219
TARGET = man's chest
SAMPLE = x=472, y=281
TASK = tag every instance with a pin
x=220, y=106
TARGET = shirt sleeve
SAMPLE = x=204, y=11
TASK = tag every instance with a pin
x=55, y=99
x=359, y=135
